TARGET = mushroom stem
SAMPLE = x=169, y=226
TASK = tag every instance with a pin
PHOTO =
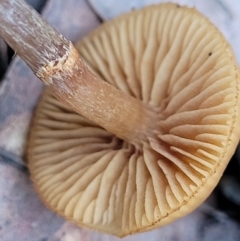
x=58, y=64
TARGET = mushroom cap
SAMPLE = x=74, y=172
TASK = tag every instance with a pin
x=174, y=59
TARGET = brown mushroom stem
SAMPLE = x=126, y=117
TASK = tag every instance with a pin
x=58, y=64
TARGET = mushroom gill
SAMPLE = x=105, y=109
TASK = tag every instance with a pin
x=175, y=61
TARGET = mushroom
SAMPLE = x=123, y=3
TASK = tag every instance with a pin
x=167, y=115
x=177, y=63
